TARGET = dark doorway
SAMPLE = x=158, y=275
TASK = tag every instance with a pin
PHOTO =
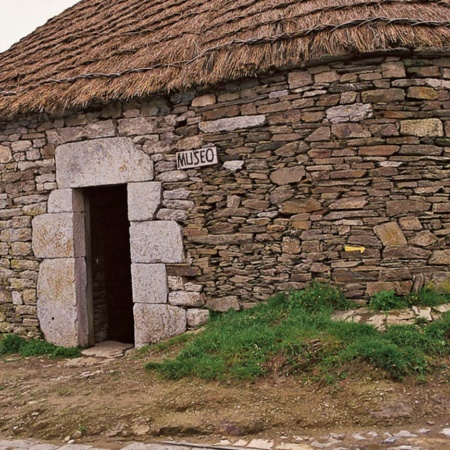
x=109, y=265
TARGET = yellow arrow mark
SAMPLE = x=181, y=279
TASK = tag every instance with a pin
x=349, y=248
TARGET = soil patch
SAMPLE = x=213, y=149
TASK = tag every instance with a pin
x=99, y=400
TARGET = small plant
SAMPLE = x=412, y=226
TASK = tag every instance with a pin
x=320, y=296
x=13, y=344
x=386, y=301
x=428, y=296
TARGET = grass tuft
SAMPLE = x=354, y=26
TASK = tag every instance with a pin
x=13, y=344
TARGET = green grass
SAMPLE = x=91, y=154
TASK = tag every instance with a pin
x=12, y=344
x=388, y=300
x=294, y=334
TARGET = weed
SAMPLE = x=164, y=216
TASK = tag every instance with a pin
x=13, y=344
x=386, y=301
x=428, y=296
x=320, y=296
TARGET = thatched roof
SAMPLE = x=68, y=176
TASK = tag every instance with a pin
x=119, y=49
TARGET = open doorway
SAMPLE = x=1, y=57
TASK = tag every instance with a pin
x=109, y=265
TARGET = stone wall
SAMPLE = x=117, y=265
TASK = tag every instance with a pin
x=338, y=172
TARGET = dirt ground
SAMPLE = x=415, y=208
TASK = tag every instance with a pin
x=108, y=401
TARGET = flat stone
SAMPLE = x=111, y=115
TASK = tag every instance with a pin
x=107, y=349
x=424, y=313
x=233, y=166
x=442, y=308
x=405, y=252
x=349, y=130
x=154, y=323
x=424, y=239
x=422, y=127
x=397, y=207
x=321, y=134
x=291, y=245
x=299, y=79
x=261, y=444
x=393, y=70
x=378, y=150
x=222, y=239
x=204, y=100
x=20, y=146
x=383, y=96
x=349, y=203
x=65, y=201
x=196, y=317
x=328, y=76
x=390, y=234
x=156, y=242
x=61, y=305
x=349, y=113
x=423, y=93
x=143, y=200
x=59, y=235
x=101, y=162
x=136, y=126
x=300, y=206
x=189, y=299
x=232, y=123
x=149, y=283
x=172, y=214
x=223, y=304
x=345, y=316
x=287, y=175
x=400, y=317
x=440, y=257
x=378, y=321
x=410, y=223
x=5, y=154
x=173, y=175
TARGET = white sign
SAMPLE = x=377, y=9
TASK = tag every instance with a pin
x=197, y=158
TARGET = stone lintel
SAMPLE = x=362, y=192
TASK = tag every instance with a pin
x=101, y=162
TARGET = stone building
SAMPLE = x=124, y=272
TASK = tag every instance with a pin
x=159, y=159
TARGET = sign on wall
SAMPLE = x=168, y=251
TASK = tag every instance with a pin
x=197, y=158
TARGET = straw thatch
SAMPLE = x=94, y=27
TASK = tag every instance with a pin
x=102, y=50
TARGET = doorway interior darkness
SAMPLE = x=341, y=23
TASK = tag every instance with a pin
x=109, y=264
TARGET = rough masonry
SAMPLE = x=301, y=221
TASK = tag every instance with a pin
x=337, y=172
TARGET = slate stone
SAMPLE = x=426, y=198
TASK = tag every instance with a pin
x=422, y=127
x=390, y=234
x=233, y=123
x=287, y=175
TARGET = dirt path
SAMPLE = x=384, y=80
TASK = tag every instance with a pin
x=111, y=401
